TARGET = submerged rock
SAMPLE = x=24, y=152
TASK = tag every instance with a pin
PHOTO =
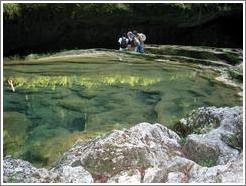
x=147, y=153
x=14, y=131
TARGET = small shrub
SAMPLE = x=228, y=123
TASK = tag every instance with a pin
x=208, y=162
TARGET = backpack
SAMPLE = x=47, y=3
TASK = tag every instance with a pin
x=143, y=37
x=123, y=43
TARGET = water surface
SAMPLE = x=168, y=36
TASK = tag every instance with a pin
x=61, y=99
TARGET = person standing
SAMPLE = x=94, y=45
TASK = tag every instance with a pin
x=139, y=41
x=131, y=45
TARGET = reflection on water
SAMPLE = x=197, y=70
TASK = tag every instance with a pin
x=56, y=103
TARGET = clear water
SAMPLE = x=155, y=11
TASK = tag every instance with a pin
x=59, y=100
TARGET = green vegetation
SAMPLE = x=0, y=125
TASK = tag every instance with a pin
x=183, y=140
x=209, y=162
x=56, y=26
x=80, y=10
x=11, y=10
x=203, y=129
x=197, y=124
x=184, y=130
x=88, y=82
x=236, y=73
x=181, y=130
x=233, y=140
x=13, y=177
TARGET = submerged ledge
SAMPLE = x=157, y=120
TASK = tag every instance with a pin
x=206, y=148
x=228, y=61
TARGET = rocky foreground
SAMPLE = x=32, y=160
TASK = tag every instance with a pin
x=207, y=149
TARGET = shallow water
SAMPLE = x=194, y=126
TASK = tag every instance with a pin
x=59, y=100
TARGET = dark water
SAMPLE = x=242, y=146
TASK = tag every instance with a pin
x=59, y=100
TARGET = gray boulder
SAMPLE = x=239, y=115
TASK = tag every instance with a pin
x=149, y=153
x=232, y=172
x=20, y=171
x=139, y=148
x=222, y=139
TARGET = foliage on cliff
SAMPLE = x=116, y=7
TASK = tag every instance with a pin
x=42, y=27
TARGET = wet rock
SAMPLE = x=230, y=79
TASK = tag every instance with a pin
x=147, y=153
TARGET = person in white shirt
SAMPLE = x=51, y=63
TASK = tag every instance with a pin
x=123, y=41
x=131, y=45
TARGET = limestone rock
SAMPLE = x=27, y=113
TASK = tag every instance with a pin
x=77, y=174
x=138, y=148
x=212, y=145
x=148, y=153
x=176, y=177
x=128, y=176
x=20, y=171
x=154, y=175
x=232, y=172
